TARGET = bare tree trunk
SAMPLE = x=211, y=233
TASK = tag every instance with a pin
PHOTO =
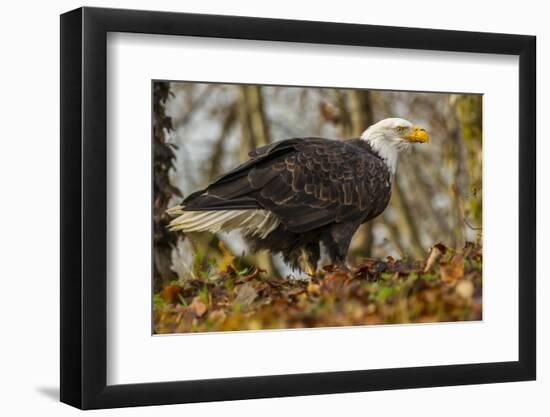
x=361, y=117
x=405, y=220
x=469, y=112
x=256, y=115
x=425, y=191
x=254, y=133
x=395, y=238
x=163, y=190
x=247, y=142
x=344, y=117
x=360, y=111
x=228, y=122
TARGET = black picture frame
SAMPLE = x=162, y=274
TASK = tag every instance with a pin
x=84, y=207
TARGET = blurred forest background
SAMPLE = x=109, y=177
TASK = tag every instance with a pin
x=202, y=130
x=420, y=261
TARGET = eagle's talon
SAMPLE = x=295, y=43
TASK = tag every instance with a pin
x=342, y=267
x=310, y=271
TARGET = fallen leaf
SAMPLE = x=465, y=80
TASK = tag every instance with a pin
x=378, y=291
x=246, y=295
x=226, y=264
x=370, y=269
x=170, y=293
x=292, y=292
x=197, y=307
x=313, y=288
x=435, y=253
x=254, y=274
x=465, y=289
x=453, y=270
x=217, y=315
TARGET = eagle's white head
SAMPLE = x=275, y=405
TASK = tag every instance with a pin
x=390, y=136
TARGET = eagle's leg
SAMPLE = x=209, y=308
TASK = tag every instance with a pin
x=338, y=243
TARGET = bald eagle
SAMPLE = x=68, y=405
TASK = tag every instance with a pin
x=295, y=194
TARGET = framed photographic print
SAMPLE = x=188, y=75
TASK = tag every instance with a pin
x=258, y=208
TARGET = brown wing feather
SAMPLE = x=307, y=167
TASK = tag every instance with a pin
x=307, y=183
x=321, y=182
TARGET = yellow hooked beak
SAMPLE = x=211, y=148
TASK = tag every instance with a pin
x=417, y=135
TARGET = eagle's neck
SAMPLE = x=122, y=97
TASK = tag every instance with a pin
x=387, y=149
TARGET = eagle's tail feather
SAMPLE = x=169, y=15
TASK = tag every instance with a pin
x=175, y=211
x=252, y=222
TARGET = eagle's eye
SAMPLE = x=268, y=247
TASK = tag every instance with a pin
x=400, y=129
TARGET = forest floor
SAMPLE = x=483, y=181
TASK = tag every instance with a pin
x=446, y=286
